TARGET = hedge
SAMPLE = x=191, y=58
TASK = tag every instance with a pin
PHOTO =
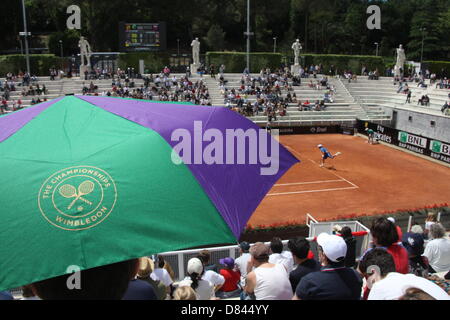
x=342, y=63
x=437, y=66
x=236, y=62
x=154, y=62
x=39, y=63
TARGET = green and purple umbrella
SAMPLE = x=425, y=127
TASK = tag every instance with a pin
x=90, y=181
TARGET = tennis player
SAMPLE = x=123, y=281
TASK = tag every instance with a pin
x=371, y=135
x=326, y=154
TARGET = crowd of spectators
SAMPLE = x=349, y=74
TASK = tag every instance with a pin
x=13, y=81
x=162, y=87
x=12, y=105
x=424, y=100
x=273, y=91
x=397, y=266
x=443, y=84
x=34, y=90
x=29, y=87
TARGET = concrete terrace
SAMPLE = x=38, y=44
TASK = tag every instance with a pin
x=362, y=99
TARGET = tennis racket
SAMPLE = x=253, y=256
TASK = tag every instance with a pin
x=69, y=191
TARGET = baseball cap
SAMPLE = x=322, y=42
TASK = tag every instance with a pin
x=260, y=251
x=229, y=262
x=319, y=146
x=195, y=266
x=413, y=243
x=391, y=219
x=244, y=245
x=334, y=247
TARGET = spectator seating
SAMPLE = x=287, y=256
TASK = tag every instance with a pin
x=383, y=92
x=343, y=109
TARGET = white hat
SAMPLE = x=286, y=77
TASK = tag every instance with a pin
x=337, y=228
x=334, y=247
x=391, y=219
x=416, y=229
x=195, y=266
x=319, y=145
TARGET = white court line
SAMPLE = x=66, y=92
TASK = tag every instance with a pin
x=345, y=180
x=311, y=182
x=309, y=191
x=354, y=185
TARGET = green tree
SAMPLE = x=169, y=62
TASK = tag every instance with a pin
x=425, y=29
x=323, y=26
x=69, y=41
x=215, y=38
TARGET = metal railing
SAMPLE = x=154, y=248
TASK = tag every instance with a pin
x=310, y=218
x=363, y=233
x=179, y=259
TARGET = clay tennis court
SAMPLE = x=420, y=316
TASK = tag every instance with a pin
x=364, y=179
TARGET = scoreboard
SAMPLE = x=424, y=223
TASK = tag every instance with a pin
x=142, y=36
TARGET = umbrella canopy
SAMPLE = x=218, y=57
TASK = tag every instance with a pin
x=89, y=181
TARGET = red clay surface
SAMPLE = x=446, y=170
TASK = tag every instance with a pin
x=364, y=179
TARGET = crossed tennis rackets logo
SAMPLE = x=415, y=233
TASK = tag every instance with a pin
x=69, y=191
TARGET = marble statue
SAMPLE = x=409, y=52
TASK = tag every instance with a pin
x=296, y=46
x=196, y=51
x=85, y=52
x=401, y=58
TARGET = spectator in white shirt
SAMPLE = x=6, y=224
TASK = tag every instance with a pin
x=437, y=251
x=210, y=275
x=267, y=281
x=204, y=289
x=277, y=256
x=160, y=273
x=395, y=285
x=385, y=284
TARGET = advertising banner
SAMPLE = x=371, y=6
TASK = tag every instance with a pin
x=432, y=148
x=308, y=129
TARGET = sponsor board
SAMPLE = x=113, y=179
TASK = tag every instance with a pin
x=411, y=139
x=422, y=145
x=308, y=130
x=440, y=150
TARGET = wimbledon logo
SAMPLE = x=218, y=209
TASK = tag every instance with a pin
x=77, y=198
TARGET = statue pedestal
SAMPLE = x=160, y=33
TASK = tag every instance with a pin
x=295, y=69
x=194, y=68
x=397, y=71
x=83, y=69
